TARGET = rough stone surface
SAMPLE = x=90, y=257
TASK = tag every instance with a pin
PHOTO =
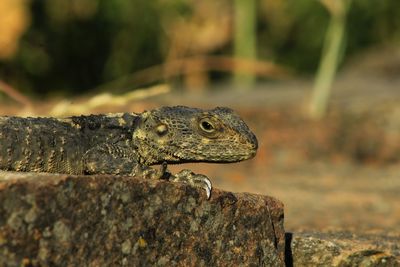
x=62, y=220
x=342, y=249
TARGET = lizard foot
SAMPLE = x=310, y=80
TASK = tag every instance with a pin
x=193, y=179
x=151, y=173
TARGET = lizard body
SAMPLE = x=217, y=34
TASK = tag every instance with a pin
x=126, y=143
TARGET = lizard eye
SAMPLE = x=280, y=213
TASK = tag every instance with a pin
x=207, y=126
x=161, y=129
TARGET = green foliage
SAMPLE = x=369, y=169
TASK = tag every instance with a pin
x=67, y=50
x=372, y=22
x=76, y=45
x=300, y=47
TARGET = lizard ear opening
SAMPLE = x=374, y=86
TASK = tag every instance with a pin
x=161, y=129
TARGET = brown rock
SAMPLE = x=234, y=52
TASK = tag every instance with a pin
x=60, y=220
x=342, y=249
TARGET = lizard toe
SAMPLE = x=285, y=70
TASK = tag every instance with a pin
x=193, y=179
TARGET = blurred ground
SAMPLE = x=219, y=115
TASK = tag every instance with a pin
x=339, y=173
x=342, y=172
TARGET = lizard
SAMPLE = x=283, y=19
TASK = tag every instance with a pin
x=127, y=143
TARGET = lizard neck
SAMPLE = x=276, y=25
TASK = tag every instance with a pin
x=150, y=155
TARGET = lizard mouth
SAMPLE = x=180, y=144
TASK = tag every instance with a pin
x=213, y=158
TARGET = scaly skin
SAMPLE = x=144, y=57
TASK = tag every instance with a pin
x=126, y=143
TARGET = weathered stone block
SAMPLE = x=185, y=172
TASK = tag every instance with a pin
x=342, y=249
x=61, y=220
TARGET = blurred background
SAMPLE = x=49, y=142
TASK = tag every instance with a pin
x=317, y=81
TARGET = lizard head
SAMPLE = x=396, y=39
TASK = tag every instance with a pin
x=182, y=134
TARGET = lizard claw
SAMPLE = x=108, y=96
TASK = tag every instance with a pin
x=196, y=180
x=207, y=187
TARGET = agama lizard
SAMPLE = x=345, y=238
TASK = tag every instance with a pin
x=127, y=143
